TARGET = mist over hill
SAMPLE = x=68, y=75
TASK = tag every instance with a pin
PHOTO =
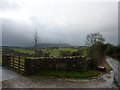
x=44, y=45
x=49, y=45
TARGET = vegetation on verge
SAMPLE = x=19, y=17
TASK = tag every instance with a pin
x=71, y=74
x=113, y=51
x=0, y=55
x=106, y=65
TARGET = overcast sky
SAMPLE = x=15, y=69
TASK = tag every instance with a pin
x=57, y=21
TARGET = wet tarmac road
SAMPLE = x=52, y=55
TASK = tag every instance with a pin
x=105, y=81
x=116, y=69
x=7, y=74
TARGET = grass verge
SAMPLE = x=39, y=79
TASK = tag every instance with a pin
x=105, y=64
x=71, y=74
x=117, y=59
x=0, y=60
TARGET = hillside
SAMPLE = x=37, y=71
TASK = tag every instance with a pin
x=50, y=45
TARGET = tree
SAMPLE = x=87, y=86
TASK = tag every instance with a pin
x=113, y=51
x=97, y=54
x=96, y=50
x=35, y=40
x=94, y=38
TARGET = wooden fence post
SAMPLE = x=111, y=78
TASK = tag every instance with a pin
x=27, y=67
x=19, y=64
x=8, y=61
x=4, y=61
x=13, y=61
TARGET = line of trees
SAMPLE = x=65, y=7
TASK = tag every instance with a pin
x=113, y=51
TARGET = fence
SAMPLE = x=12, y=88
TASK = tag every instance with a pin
x=32, y=65
x=14, y=63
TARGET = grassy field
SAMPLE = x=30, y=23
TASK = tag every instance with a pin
x=71, y=74
x=85, y=52
x=53, y=52
x=23, y=50
x=56, y=52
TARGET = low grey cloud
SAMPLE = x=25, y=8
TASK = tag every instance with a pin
x=9, y=5
x=63, y=22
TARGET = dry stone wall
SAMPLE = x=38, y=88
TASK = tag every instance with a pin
x=33, y=65
x=76, y=63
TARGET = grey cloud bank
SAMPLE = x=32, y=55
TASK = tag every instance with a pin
x=59, y=22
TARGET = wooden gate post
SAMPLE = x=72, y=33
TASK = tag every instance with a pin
x=8, y=61
x=4, y=57
x=27, y=67
x=19, y=64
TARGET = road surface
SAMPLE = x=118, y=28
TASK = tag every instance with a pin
x=116, y=69
x=7, y=74
x=105, y=81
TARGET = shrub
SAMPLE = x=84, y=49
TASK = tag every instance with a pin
x=78, y=53
x=113, y=51
x=96, y=54
x=65, y=53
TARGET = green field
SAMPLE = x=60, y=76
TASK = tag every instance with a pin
x=23, y=50
x=56, y=52
x=53, y=52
